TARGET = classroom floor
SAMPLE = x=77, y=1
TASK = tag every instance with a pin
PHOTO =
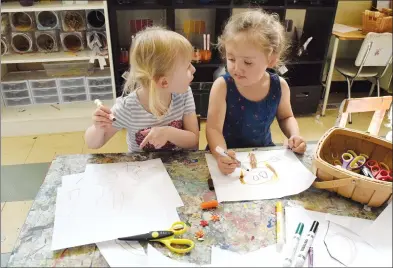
x=25, y=161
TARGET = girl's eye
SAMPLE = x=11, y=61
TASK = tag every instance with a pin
x=231, y=59
x=248, y=63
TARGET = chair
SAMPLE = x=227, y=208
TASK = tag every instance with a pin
x=375, y=53
x=377, y=104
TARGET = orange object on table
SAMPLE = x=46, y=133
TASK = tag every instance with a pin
x=209, y=204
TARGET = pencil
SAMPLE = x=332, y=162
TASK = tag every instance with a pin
x=99, y=103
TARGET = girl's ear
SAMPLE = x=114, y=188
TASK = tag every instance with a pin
x=273, y=59
x=162, y=82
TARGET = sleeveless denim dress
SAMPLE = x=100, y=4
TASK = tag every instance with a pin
x=247, y=123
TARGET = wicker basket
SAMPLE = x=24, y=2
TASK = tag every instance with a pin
x=347, y=183
x=377, y=22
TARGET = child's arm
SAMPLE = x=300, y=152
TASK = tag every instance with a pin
x=215, y=125
x=287, y=121
x=187, y=138
x=102, y=130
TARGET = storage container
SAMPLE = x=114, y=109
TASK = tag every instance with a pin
x=72, y=90
x=44, y=92
x=101, y=96
x=74, y=98
x=71, y=82
x=16, y=94
x=102, y=89
x=42, y=83
x=17, y=101
x=349, y=184
x=66, y=69
x=46, y=99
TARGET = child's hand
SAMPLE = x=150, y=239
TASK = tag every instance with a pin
x=297, y=144
x=156, y=136
x=101, y=117
x=226, y=164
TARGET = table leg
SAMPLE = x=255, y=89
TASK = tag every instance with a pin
x=330, y=74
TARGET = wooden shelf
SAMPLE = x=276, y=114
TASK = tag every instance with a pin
x=52, y=6
x=46, y=57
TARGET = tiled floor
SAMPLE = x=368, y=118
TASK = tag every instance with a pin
x=43, y=148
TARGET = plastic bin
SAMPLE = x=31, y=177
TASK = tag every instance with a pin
x=101, y=96
x=74, y=98
x=71, y=82
x=16, y=94
x=72, y=90
x=42, y=83
x=44, y=92
x=99, y=81
x=18, y=101
x=66, y=69
x=46, y=99
x=14, y=85
x=104, y=89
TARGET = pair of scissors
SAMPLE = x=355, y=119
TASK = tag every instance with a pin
x=380, y=170
x=352, y=161
x=167, y=238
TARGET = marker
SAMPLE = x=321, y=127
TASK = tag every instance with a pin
x=293, y=247
x=224, y=153
x=99, y=103
x=279, y=226
x=311, y=257
x=301, y=257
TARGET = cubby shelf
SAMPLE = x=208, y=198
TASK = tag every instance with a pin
x=304, y=72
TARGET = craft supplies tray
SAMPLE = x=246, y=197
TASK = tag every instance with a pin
x=347, y=183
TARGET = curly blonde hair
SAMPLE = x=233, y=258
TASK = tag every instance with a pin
x=154, y=54
x=264, y=30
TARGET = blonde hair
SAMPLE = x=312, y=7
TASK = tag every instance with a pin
x=263, y=30
x=154, y=53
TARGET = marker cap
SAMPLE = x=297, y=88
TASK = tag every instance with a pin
x=299, y=229
x=314, y=227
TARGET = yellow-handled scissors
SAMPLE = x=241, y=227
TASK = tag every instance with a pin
x=167, y=238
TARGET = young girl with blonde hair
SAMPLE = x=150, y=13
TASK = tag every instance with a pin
x=158, y=110
x=244, y=102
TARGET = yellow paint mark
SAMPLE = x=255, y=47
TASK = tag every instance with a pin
x=245, y=206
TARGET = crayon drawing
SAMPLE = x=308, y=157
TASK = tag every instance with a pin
x=276, y=173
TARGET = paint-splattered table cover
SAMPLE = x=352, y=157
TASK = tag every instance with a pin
x=243, y=226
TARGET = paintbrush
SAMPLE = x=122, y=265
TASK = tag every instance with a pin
x=224, y=153
x=99, y=103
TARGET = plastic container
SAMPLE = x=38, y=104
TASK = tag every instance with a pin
x=47, y=20
x=16, y=94
x=72, y=90
x=74, y=98
x=6, y=86
x=95, y=19
x=72, y=41
x=44, y=92
x=42, y=83
x=73, y=20
x=22, y=42
x=22, y=21
x=5, y=45
x=18, y=101
x=46, y=99
x=103, y=42
x=101, y=89
x=65, y=69
x=99, y=81
x=102, y=96
x=47, y=41
x=72, y=82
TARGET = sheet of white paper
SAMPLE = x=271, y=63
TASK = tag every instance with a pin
x=349, y=242
x=379, y=233
x=260, y=183
x=157, y=259
x=356, y=225
x=105, y=206
x=71, y=180
x=123, y=253
x=264, y=257
x=341, y=28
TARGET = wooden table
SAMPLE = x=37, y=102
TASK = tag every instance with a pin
x=350, y=36
x=244, y=226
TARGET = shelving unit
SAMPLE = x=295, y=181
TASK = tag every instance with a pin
x=304, y=73
x=51, y=118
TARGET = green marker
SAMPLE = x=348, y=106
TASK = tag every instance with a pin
x=291, y=249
